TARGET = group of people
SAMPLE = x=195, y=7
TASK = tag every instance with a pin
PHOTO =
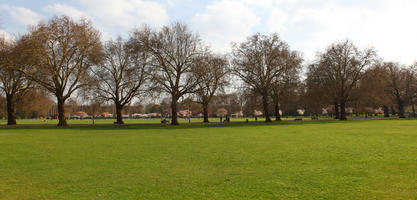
x=226, y=120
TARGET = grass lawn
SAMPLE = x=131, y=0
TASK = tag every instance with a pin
x=358, y=159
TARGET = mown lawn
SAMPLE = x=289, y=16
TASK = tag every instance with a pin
x=360, y=159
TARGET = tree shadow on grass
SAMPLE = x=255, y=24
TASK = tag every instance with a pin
x=181, y=126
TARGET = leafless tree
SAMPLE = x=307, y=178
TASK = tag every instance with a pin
x=372, y=89
x=339, y=68
x=401, y=83
x=259, y=61
x=174, y=50
x=316, y=95
x=288, y=81
x=61, y=52
x=414, y=96
x=122, y=74
x=35, y=103
x=12, y=82
x=212, y=72
x=94, y=109
x=317, y=85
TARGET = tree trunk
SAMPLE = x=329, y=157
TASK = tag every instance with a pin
x=266, y=108
x=11, y=118
x=277, y=115
x=400, y=108
x=414, y=110
x=336, y=110
x=174, y=108
x=343, y=110
x=386, y=110
x=393, y=110
x=61, y=111
x=205, y=113
x=119, y=117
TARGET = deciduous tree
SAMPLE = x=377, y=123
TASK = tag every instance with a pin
x=211, y=71
x=259, y=62
x=12, y=81
x=339, y=68
x=288, y=82
x=316, y=96
x=121, y=75
x=174, y=51
x=372, y=89
x=401, y=83
x=62, y=51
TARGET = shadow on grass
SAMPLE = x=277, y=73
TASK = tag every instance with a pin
x=186, y=125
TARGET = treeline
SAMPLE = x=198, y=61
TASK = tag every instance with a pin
x=67, y=59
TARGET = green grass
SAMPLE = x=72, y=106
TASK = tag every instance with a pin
x=360, y=159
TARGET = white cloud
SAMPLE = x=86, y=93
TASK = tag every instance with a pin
x=173, y=2
x=6, y=36
x=262, y=3
x=126, y=14
x=22, y=16
x=62, y=9
x=307, y=25
x=114, y=18
x=392, y=30
x=223, y=22
x=311, y=25
x=388, y=27
x=277, y=20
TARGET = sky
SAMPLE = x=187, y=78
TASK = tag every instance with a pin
x=308, y=26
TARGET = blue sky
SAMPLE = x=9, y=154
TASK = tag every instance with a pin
x=307, y=25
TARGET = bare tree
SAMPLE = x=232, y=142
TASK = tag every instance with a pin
x=94, y=109
x=174, y=50
x=372, y=89
x=316, y=95
x=288, y=81
x=414, y=96
x=212, y=72
x=62, y=52
x=12, y=82
x=401, y=83
x=35, y=103
x=122, y=74
x=340, y=68
x=318, y=91
x=259, y=62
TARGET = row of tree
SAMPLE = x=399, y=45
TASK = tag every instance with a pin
x=343, y=75
x=67, y=58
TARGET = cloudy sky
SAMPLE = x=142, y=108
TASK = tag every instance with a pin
x=307, y=25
